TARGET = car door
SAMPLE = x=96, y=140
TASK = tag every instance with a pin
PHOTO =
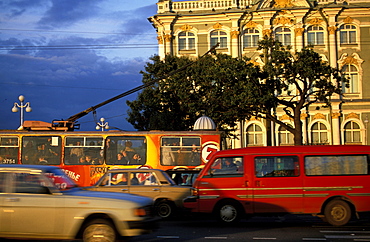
x=278, y=186
x=29, y=206
x=4, y=214
x=226, y=178
x=116, y=181
x=145, y=183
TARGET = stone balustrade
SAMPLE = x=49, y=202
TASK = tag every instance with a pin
x=203, y=5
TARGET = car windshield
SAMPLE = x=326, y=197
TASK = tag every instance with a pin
x=60, y=180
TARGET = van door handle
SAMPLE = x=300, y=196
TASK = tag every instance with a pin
x=124, y=190
x=12, y=199
x=155, y=189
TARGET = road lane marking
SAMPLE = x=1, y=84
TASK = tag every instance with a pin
x=265, y=238
x=217, y=237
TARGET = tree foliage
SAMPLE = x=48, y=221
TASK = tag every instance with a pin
x=229, y=89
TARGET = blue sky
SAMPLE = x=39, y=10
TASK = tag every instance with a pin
x=65, y=56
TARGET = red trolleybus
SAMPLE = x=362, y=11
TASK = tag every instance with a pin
x=332, y=182
x=86, y=156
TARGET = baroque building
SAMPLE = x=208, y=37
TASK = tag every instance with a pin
x=338, y=30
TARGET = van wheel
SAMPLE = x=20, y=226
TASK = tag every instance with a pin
x=337, y=212
x=165, y=209
x=228, y=212
x=99, y=230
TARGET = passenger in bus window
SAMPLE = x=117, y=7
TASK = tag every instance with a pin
x=121, y=159
x=195, y=154
x=168, y=156
x=77, y=151
x=128, y=147
x=136, y=159
x=82, y=161
x=25, y=160
x=42, y=160
x=88, y=159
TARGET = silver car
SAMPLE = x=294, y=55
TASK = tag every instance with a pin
x=154, y=183
x=41, y=202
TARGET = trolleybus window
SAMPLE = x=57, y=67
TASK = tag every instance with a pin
x=9, y=150
x=43, y=150
x=337, y=165
x=180, y=151
x=125, y=150
x=84, y=150
x=276, y=166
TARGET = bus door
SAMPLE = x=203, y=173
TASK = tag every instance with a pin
x=225, y=179
x=277, y=185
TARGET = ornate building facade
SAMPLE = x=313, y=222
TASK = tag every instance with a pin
x=339, y=31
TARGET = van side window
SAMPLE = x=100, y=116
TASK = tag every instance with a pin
x=276, y=166
x=227, y=166
x=336, y=165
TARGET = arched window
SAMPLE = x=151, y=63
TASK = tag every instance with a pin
x=285, y=137
x=319, y=134
x=283, y=35
x=352, y=133
x=186, y=41
x=218, y=36
x=348, y=34
x=351, y=73
x=254, y=135
x=315, y=35
x=251, y=38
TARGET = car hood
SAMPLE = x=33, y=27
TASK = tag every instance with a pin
x=81, y=192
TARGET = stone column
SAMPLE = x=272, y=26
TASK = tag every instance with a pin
x=332, y=46
x=167, y=42
x=336, y=128
x=299, y=38
x=304, y=117
x=234, y=48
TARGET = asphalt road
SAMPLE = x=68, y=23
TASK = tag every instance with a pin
x=286, y=228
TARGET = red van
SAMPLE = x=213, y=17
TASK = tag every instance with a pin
x=332, y=182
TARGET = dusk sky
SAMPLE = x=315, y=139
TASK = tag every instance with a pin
x=65, y=56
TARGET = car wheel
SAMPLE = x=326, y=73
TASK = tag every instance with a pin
x=165, y=209
x=99, y=230
x=228, y=212
x=337, y=212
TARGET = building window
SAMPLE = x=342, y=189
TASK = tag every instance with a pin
x=285, y=137
x=254, y=135
x=352, y=133
x=319, y=134
x=219, y=37
x=351, y=73
x=283, y=35
x=315, y=35
x=250, y=38
x=348, y=34
x=186, y=41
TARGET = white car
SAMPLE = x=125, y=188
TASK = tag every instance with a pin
x=41, y=202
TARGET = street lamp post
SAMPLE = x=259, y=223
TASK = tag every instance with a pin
x=103, y=125
x=21, y=106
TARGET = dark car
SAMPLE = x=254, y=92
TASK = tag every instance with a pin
x=183, y=177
